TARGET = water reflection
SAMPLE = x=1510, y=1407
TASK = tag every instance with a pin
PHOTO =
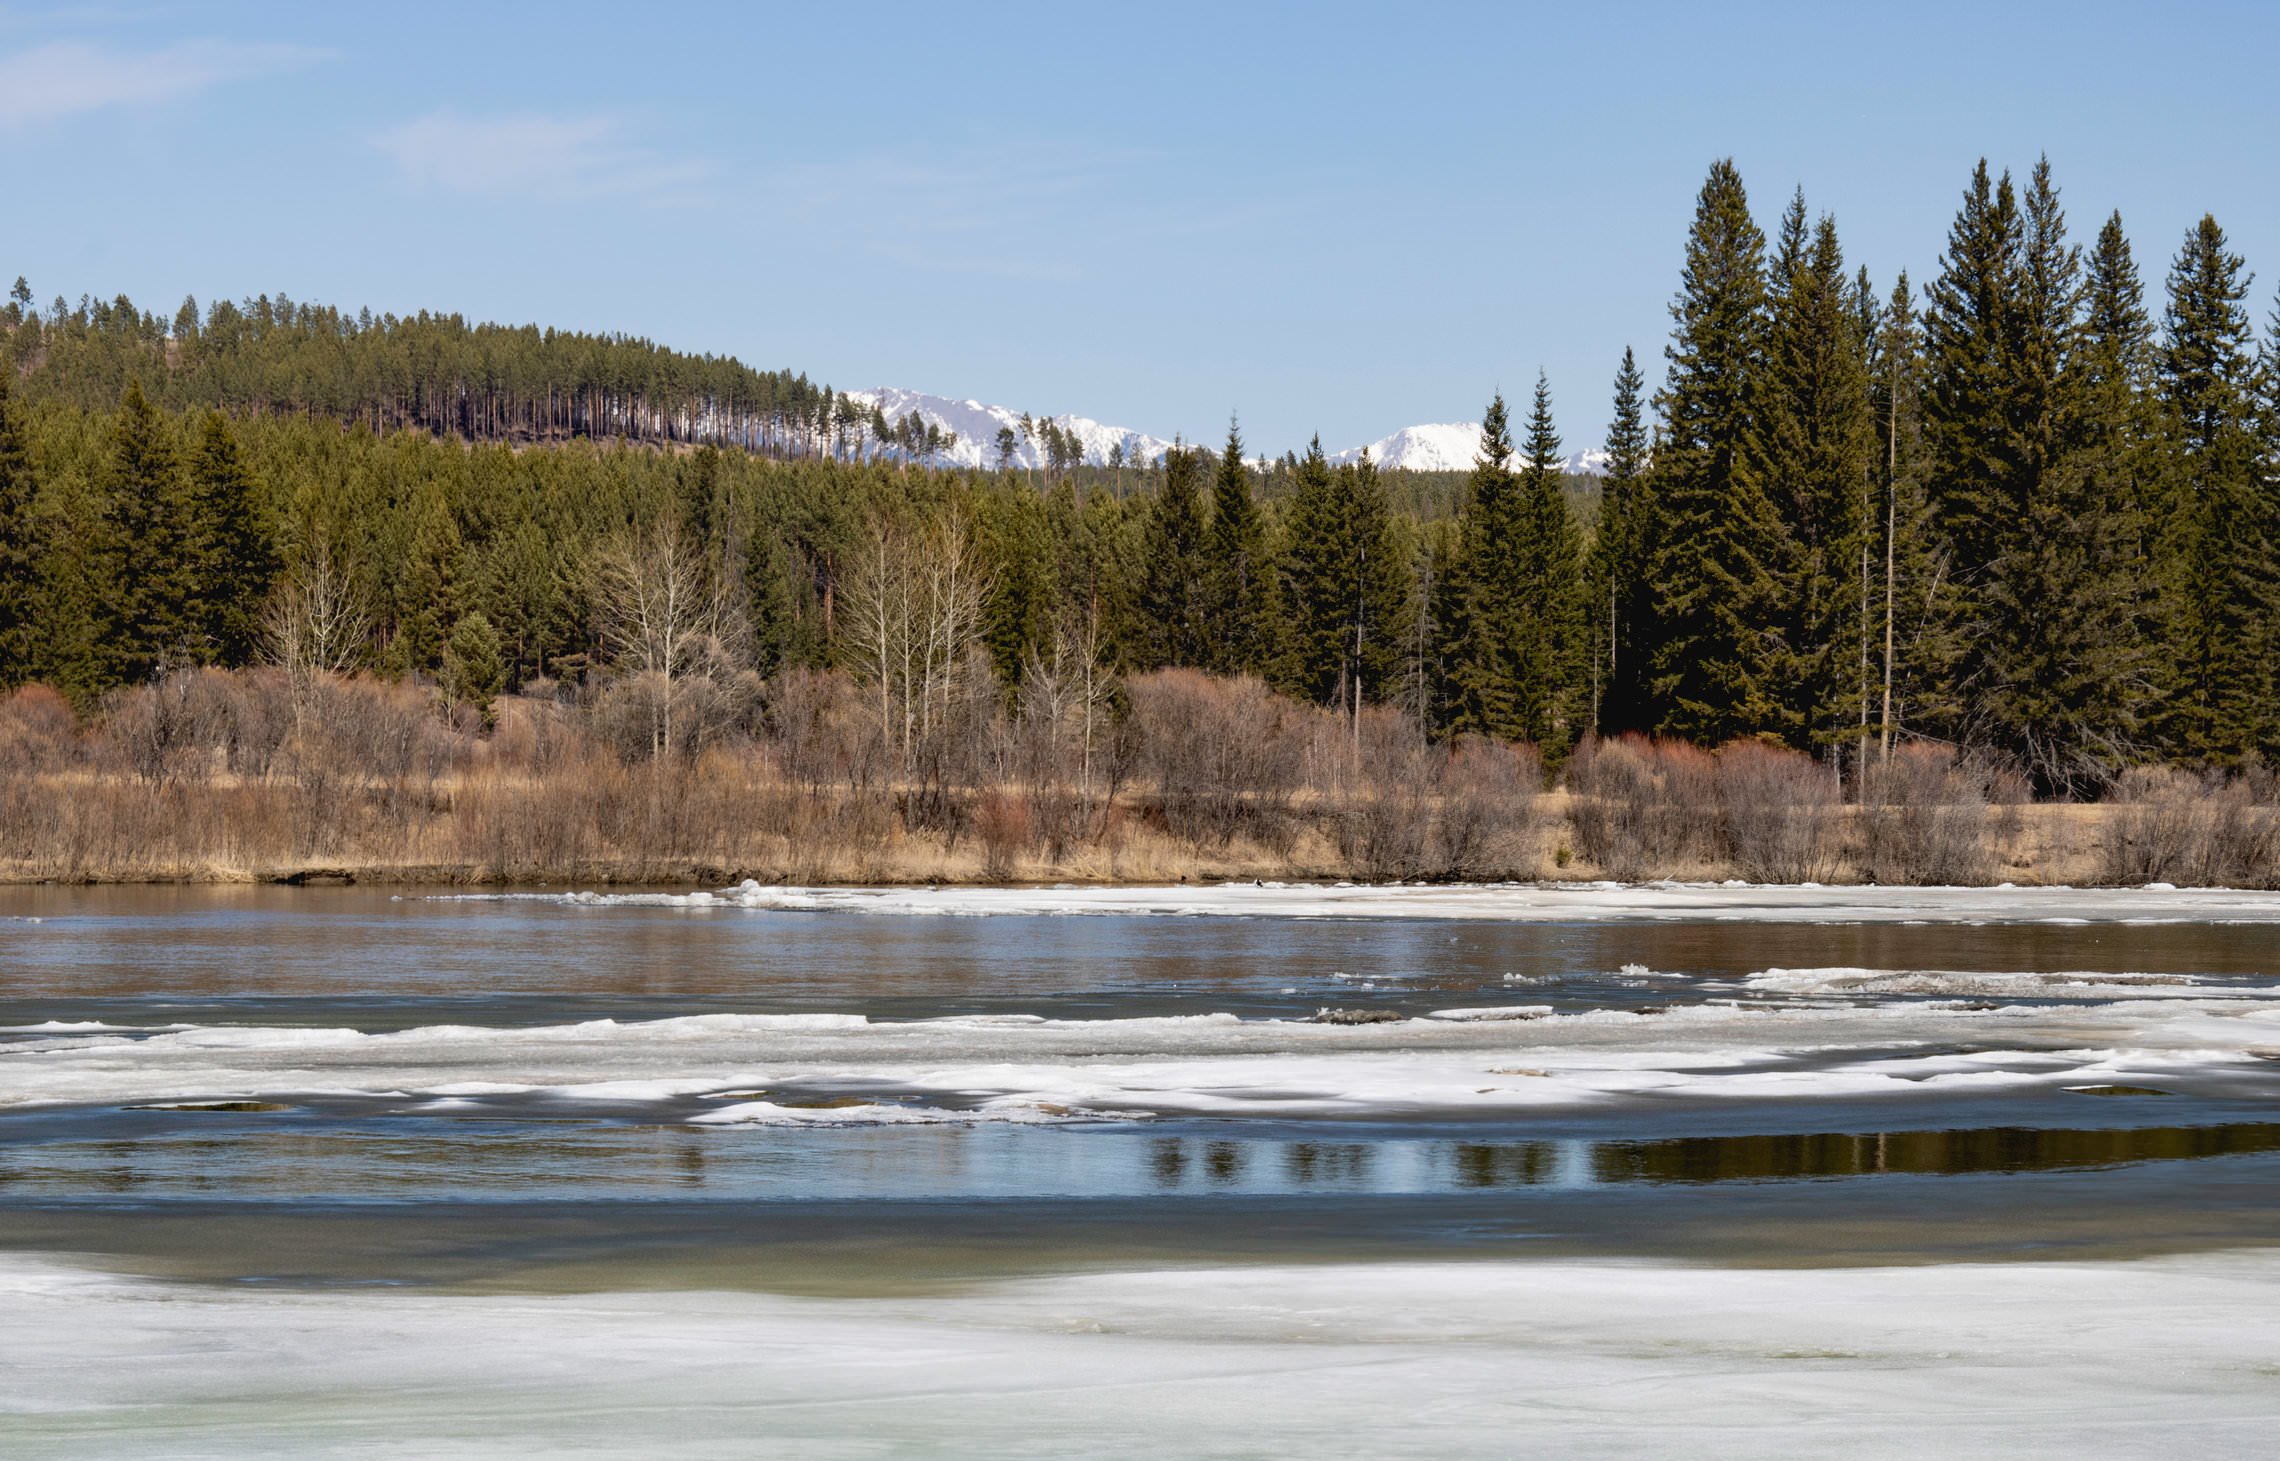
x=1938, y=1153
x=505, y=1160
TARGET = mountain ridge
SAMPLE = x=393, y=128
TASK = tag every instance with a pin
x=1429, y=447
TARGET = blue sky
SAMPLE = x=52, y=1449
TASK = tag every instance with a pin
x=1333, y=218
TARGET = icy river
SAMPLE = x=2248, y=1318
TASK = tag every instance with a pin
x=1251, y=1171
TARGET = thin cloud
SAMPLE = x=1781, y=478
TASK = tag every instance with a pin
x=529, y=155
x=68, y=78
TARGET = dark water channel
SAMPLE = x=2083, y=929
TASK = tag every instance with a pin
x=350, y=1188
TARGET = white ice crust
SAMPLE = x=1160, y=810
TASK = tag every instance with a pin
x=1530, y=902
x=2169, y=1357
x=1780, y=1034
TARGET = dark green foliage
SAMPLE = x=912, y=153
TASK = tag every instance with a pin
x=1555, y=647
x=19, y=546
x=1345, y=584
x=1017, y=539
x=2021, y=523
x=1473, y=692
x=474, y=671
x=2046, y=604
x=1522, y=657
x=2223, y=527
x=1817, y=444
x=1622, y=598
x=427, y=593
x=432, y=373
x=1917, y=650
x=1240, y=586
x=150, y=546
x=1175, y=573
x=1716, y=665
x=236, y=560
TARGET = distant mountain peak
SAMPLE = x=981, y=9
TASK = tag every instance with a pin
x=1450, y=446
x=977, y=426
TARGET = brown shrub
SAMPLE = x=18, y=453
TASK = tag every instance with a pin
x=2169, y=826
x=1225, y=756
x=1781, y=811
x=1002, y=825
x=1644, y=808
x=1925, y=818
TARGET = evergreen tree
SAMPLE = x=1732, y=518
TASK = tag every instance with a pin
x=1240, y=585
x=1523, y=661
x=1715, y=667
x=1971, y=392
x=1345, y=585
x=474, y=670
x=2044, y=583
x=1917, y=650
x=1622, y=603
x=1174, y=628
x=2223, y=710
x=1817, y=445
x=1469, y=614
x=236, y=559
x=19, y=545
x=427, y=596
x=1555, y=641
x=1019, y=616
x=149, y=548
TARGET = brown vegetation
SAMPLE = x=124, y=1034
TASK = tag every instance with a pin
x=279, y=773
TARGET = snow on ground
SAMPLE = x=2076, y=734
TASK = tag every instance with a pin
x=2163, y=1357
x=1532, y=902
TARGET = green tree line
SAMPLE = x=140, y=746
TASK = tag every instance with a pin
x=2021, y=509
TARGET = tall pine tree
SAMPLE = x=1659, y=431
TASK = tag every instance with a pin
x=1817, y=444
x=2222, y=708
x=1716, y=666
x=1468, y=609
x=1622, y=603
x=1174, y=626
x=1554, y=648
x=236, y=553
x=2044, y=595
x=149, y=546
x=1241, y=584
x=1917, y=650
x=1345, y=585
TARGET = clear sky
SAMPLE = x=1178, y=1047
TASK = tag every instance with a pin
x=1339, y=218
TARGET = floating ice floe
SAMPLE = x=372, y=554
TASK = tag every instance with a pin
x=1529, y=902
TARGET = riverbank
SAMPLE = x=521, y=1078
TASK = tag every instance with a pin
x=115, y=830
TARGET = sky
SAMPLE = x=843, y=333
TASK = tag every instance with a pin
x=1328, y=218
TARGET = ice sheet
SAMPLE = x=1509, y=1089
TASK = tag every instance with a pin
x=1798, y=1041
x=2171, y=1357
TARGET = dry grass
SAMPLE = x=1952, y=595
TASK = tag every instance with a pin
x=235, y=777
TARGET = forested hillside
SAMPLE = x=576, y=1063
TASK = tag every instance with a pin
x=2029, y=509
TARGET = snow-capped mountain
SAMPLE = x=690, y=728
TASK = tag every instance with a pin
x=1450, y=446
x=1438, y=447
x=977, y=427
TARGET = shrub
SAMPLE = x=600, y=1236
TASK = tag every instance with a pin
x=1780, y=813
x=1925, y=818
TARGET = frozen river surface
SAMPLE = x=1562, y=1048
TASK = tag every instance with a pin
x=1685, y=1169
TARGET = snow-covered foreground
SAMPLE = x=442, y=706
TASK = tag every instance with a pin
x=1530, y=902
x=1781, y=1034
x=2167, y=1357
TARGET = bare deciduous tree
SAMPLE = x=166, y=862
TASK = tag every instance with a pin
x=913, y=616
x=664, y=622
x=317, y=622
